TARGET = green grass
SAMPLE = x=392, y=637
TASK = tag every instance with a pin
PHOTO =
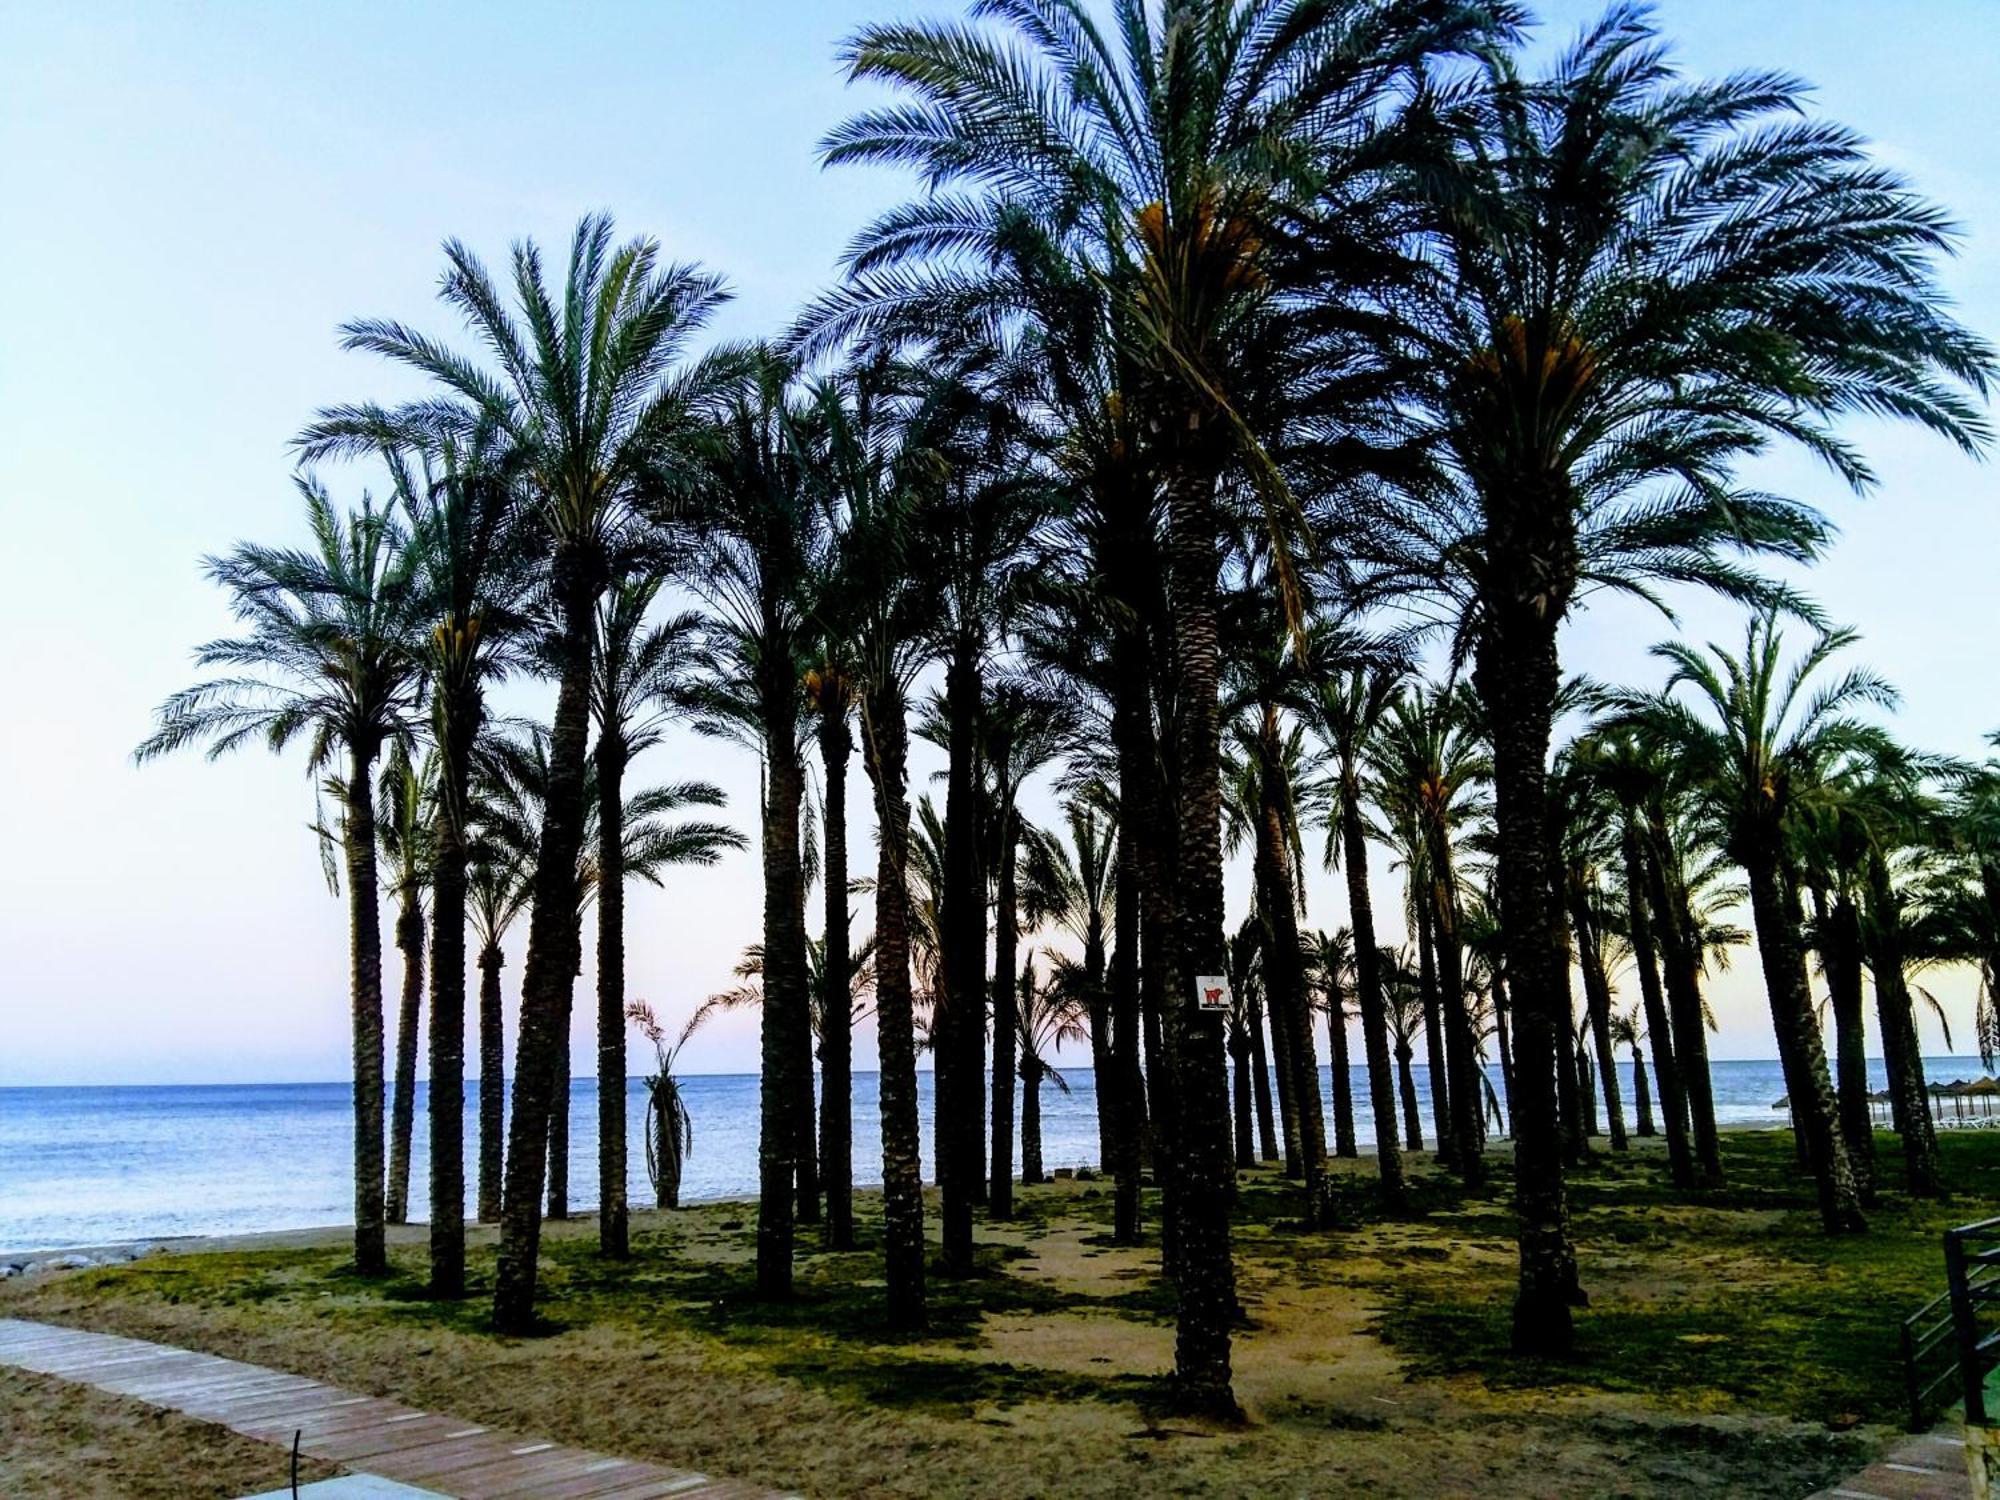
x=1733, y=1300
x=1754, y=1306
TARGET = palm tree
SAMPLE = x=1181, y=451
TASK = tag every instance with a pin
x=1171, y=159
x=1071, y=884
x=1584, y=849
x=1632, y=294
x=1022, y=730
x=407, y=796
x=1261, y=806
x=669, y=1125
x=499, y=885
x=591, y=401
x=514, y=778
x=1049, y=1015
x=864, y=463
x=1344, y=713
x=331, y=656
x=639, y=684
x=1404, y=999
x=465, y=526
x=1760, y=740
x=1617, y=767
x=1429, y=763
x=1332, y=968
x=755, y=570
x=1628, y=1030
x=830, y=690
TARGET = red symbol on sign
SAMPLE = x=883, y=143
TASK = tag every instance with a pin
x=1211, y=997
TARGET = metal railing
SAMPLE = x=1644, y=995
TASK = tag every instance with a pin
x=1951, y=1342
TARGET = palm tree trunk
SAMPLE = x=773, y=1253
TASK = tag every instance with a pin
x=1412, y=1120
x=1006, y=1015
x=1239, y=1097
x=1681, y=959
x=492, y=1082
x=1343, y=1091
x=1586, y=1074
x=886, y=733
x=1901, y=1055
x=1783, y=956
x=549, y=975
x=1597, y=1002
x=1468, y=1093
x=1639, y=929
x=1284, y=967
x=1642, y=1096
x=1517, y=674
x=1031, y=1120
x=1128, y=1144
x=1435, y=1063
x=1288, y=1113
x=962, y=924
x=447, y=1029
x=1204, y=1174
x=836, y=1119
x=1577, y=1113
x=786, y=1030
x=403, y=1106
x=1260, y=1083
x=1368, y=993
x=1503, y=1041
x=371, y=1256
x=559, y=1096
x=1840, y=959
x=613, y=1218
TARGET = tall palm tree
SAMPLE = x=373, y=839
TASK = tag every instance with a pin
x=330, y=656
x=755, y=570
x=499, y=885
x=1632, y=294
x=1628, y=1030
x=1048, y=1015
x=591, y=399
x=1761, y=739
x=1261, y=806
x=465, y=522
x=1071, y=884
x=830, y=689
x=1022, y=730
x=640, y=682
x=1332, y=968
x=1584, y=849
x=514, y=778
x=1430, y=765
x=1172, y=157
x=407, y=796
x=862, y=436
x=1344, y=713
x=1623, y=772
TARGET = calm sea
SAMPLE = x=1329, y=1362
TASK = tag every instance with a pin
x=86, y=1166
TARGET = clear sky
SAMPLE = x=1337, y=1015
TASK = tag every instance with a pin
x=194, y=196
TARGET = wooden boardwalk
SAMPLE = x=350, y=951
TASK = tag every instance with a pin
x=364, y=1433
x=1930, y=1467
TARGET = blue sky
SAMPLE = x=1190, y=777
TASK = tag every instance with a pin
x=193, y=197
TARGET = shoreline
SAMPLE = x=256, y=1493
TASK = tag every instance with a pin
x=308, y=1236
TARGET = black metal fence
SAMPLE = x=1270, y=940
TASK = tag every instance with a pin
x=1953, y=1340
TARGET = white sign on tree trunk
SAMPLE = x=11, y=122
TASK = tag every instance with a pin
x=1211, y=992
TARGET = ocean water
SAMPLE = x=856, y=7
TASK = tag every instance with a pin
x=86, y=1166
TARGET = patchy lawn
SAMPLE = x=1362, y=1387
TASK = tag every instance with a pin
x=1729, y=1348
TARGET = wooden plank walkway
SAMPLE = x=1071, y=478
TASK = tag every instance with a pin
x=1930, y=1467
x=365, y=1433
